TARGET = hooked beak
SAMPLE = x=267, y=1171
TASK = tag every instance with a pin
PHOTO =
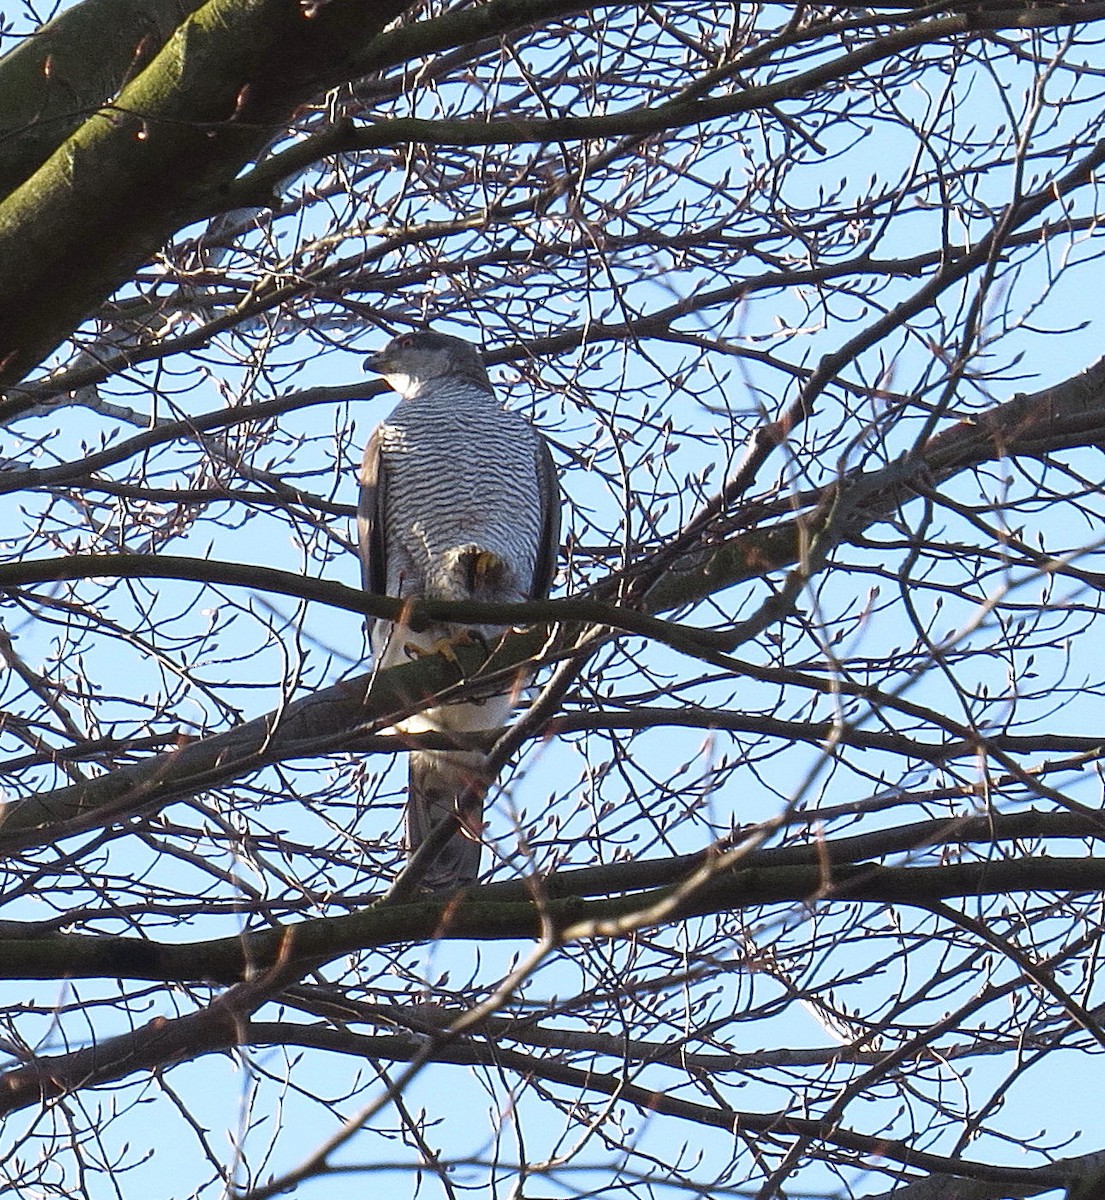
x=376, y=362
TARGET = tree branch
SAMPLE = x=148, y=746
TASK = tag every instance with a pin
x=231, y=959
x=647, y=121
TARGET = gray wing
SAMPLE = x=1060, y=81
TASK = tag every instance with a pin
x=548, y=487
x=371, y=522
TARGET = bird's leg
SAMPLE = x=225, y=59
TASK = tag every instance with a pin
x=445, y=645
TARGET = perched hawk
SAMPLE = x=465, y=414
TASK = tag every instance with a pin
x=459, y=501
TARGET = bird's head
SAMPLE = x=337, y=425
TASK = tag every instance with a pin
x=412, y=360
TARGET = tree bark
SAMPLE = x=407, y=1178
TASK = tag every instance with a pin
x=147, y=163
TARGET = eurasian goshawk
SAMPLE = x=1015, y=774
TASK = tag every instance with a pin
x=459, y=501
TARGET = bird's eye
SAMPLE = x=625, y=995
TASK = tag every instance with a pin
x=406, y=341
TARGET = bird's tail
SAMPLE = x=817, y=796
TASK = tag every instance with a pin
x=441, y=783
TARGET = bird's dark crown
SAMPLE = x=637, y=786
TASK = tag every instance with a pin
x=410, y=360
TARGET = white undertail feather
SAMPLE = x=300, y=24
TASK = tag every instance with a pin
x=441, y=782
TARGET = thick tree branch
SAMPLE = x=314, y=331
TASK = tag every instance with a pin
x=167, y=148
x=232, y=74
x=51, y=82
x=232, y=959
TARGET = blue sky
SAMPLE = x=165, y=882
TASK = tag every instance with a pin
x=645, y=428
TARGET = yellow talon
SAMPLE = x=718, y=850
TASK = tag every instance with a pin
x=443, y=646
x=481, y=569
x=485, y=564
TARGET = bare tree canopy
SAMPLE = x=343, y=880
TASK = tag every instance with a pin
x=790, y=885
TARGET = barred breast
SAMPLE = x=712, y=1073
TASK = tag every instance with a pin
x=461, y=477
